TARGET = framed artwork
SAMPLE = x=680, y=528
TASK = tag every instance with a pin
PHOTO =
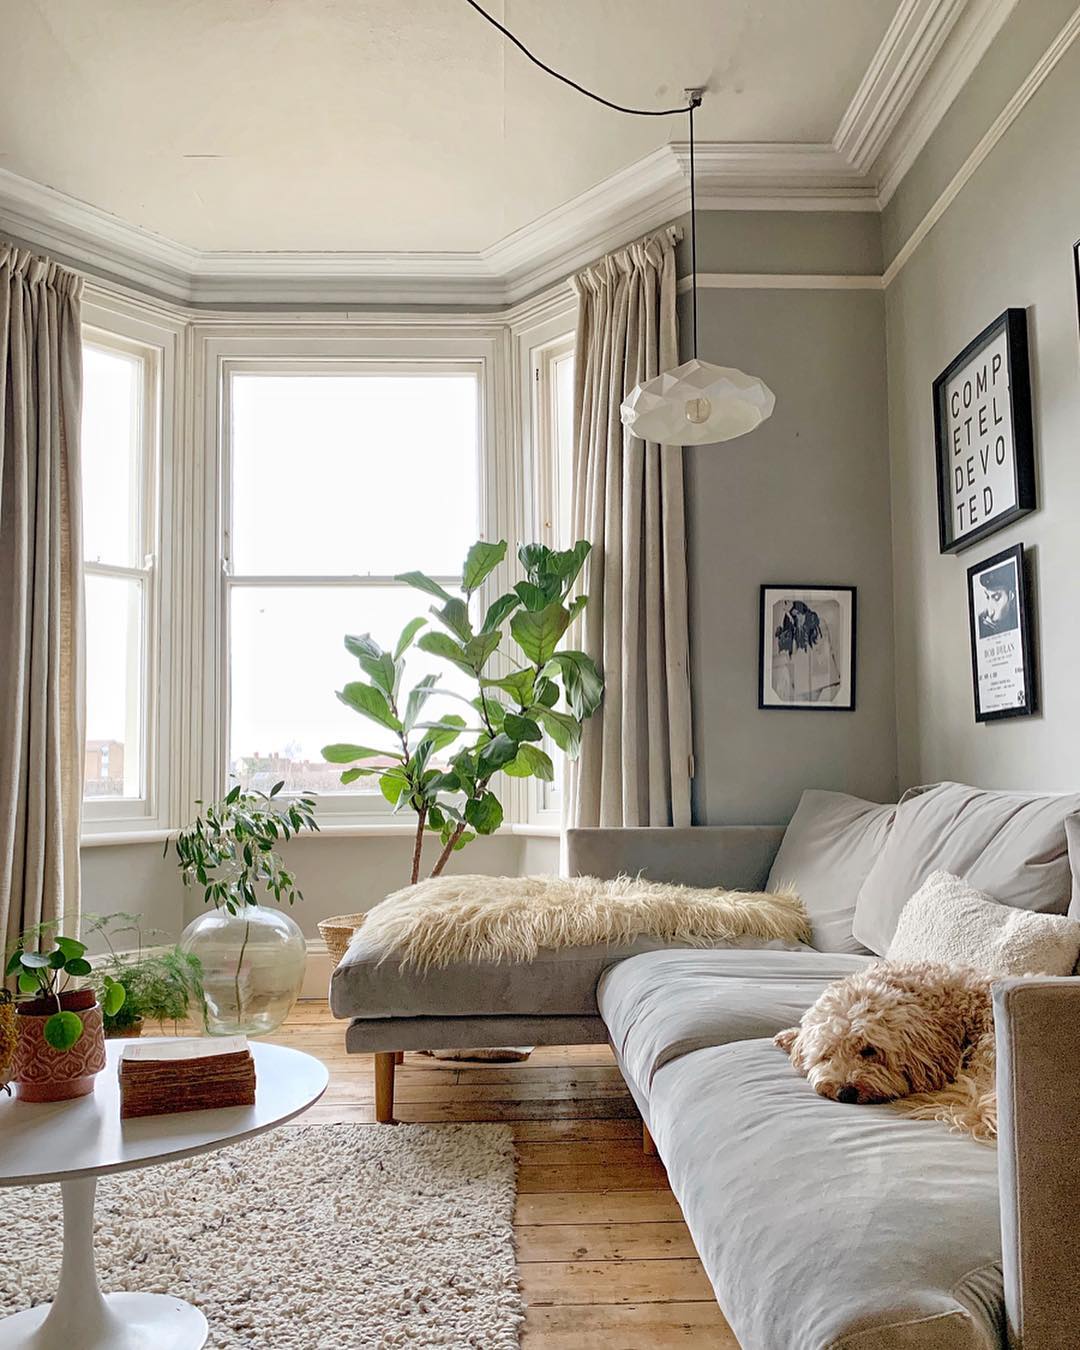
x=1001, y=667
x=983, y=435
x=807, y=648
x=1076, y=269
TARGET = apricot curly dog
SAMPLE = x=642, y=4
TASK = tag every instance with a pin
x=923, y=1032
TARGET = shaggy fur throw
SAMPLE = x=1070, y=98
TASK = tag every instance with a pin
x=448, y=919
x=923, y=1032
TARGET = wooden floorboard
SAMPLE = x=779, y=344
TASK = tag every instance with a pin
x=604, y=1258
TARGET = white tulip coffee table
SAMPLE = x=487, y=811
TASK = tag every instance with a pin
x=76, y=1142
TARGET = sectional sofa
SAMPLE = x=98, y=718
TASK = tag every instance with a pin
x=822, y=1226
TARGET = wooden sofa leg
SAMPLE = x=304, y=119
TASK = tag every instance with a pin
x=648, y=1146
x=399, y=1056
x=384, y=1087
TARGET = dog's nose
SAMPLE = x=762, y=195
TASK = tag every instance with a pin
x=847, y=1094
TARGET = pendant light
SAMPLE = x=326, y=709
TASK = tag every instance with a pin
x=697, y=403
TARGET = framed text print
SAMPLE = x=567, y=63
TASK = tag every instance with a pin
x=807, y=648
x=983, y=434
x=1001, y=669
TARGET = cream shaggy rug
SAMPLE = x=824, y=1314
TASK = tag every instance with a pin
x=473, y=918
x=330, y=1237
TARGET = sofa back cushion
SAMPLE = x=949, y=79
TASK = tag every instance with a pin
x=825, y=856
x=1011, y=845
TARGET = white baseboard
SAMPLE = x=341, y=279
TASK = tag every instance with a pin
x=318, y=971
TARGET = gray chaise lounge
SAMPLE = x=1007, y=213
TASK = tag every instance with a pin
x=821, y=1226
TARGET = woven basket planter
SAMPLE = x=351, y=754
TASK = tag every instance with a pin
x=337, y=932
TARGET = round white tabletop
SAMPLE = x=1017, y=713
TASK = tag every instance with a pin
x=76, y=1142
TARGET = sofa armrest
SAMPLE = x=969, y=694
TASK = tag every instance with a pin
x=737, y=856
x=1037, y=1030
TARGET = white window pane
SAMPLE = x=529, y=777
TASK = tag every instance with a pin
x=111, y=452
x=563, y=426
x=346, y=475
x=288, y=661
x=114, y=662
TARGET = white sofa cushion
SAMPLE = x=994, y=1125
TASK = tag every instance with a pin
x=1011, y=845
x=826, y=854
x=948, y=920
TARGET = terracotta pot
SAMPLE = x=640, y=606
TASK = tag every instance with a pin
x=42, y=1074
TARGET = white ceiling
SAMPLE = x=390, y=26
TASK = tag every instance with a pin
x=397, y=125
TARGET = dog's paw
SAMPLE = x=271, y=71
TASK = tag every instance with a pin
x=786, y=1039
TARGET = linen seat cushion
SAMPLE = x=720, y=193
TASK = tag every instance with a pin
x=555, y=983
x=660, y=1006
x=1011, y=845
x=828, y=849
x=825, y=1226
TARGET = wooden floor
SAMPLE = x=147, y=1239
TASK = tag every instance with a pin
x=605, y=1259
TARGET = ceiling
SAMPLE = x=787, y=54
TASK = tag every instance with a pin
x=395, y=125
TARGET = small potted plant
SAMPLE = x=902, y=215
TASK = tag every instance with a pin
x=252, y=957
x=60, y=1044
x=159, y=983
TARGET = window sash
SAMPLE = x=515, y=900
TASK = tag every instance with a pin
x=343, y=807
x=108, y=814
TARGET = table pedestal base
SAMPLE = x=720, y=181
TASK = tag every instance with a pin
x=80, y=1317
x=125, y=1322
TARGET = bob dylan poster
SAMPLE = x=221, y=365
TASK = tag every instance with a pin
x=807, y=647
x=999, y=647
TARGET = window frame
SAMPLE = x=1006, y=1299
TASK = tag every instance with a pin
x=111, y=815
x=391, y=353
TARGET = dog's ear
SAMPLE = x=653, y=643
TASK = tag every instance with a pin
x=786, y=1039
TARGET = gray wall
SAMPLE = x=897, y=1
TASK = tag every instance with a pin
x=1006, y=240
x=804, y=498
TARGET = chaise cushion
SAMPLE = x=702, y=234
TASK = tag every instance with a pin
x=555, y=983
x=824, y=1226
x=827, y=852
x=1012, y=845
x=663, y=1005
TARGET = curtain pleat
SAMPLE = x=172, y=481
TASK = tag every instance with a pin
x=628, y=501
x=42, y=699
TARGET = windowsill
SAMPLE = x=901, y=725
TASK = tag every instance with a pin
x=374, y=829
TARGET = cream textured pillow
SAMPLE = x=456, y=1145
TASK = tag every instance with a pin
x=948, y=920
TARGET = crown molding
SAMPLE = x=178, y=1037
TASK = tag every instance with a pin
x=967, y=42
x=927, y=53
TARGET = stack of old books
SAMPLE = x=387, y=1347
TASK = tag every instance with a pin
x=159, y=1077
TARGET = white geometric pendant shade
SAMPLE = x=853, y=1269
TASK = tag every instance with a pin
x=697, y=403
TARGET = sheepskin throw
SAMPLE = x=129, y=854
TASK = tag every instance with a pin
x=948, y=920
x=449, y=919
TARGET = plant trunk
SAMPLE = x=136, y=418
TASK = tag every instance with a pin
x=421, y=821
x=444, y=856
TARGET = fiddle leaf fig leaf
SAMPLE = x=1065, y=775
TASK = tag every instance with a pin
x=518, y=684
x=529, y=762
x=441, y=644
x=455, y=616
x=499, y=751
x=499, y=610
x=563, y=729
x=484, y=813
x=479, y=649
x=418, y=696
x=366, y=699
x=581, y=680
x=521, y=728
x=419, y=582
x=405, y=641
x=343, y=753
x=538, y=633
x=376, y=664
x=480, y=561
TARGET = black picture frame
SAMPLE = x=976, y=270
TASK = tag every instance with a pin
x=985, y=637
x=846, y=636
x=947, y=428
x=1076, y=271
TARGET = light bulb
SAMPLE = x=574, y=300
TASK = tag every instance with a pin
x=698, y=410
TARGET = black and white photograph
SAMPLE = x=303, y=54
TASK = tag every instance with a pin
x=1000, y=637
x=983, y=434
x=807, y=648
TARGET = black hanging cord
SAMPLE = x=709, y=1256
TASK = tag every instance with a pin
x=695, y=102
x=618, y=107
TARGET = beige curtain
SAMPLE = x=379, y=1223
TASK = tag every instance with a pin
x=628, y=500
x=41, y=593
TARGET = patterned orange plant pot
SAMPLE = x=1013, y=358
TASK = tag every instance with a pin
x=42, y=1074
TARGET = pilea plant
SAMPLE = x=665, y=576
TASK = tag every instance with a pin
x=46, y=975
x=545, y=690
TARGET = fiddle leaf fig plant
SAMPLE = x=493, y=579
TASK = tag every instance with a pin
x=535, y=689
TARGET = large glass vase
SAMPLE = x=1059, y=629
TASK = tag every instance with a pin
x=252, y=968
